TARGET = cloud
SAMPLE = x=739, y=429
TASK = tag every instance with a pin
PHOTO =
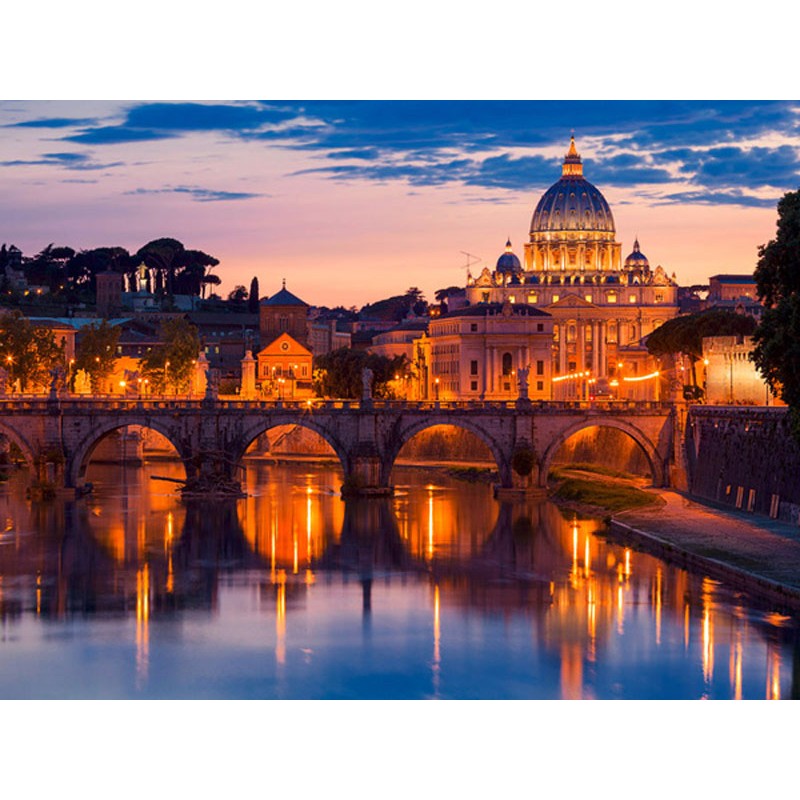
x=72, y=161
x=178, y=117
x=116, y=134
x=53, y=122
x=733, y=197
x=199, y=194
x=367, y=154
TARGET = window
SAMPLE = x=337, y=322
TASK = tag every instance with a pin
x=304, y=370
x=507, y=363
x=587, y=298
x=283, y=323
x=540, y=327
x=473, y=326
x=539, y=386
x=631, y=298
x=659, y=297
x=611, y=297
x=540, y=367
x=484, y=297
x=533, y=297
x=473, y=367
x=512, y=299
x=556, y=298
x=473, y=385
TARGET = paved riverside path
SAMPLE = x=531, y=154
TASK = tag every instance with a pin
x=756, y=553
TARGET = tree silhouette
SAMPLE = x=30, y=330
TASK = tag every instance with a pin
x=253, y=298
x=777, y=338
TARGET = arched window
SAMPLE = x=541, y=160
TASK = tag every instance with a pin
x=506, y=363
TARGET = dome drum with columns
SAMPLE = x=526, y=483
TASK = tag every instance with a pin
x=602, y=306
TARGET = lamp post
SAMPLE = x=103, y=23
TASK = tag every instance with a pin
x=166, y=380
x=436, y=390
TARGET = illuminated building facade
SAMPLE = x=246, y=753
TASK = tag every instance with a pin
x=284, y=361
x=601, y=306
x=474, y=353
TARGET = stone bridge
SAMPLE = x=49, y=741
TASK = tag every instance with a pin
x=59, y=433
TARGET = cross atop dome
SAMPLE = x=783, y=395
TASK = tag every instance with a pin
x=572, y=162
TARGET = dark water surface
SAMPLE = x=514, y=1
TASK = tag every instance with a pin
x=439, y=591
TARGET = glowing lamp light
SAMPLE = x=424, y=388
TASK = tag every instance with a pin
x=642, y=377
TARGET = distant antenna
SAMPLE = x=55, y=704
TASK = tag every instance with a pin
x=470, y=256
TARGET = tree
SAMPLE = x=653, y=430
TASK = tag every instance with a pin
x=397, y=307
x=338, y=373
x=777, y=338
x=238, y=297
x=48, y=268
x=169, y=366
x=684, y=335
x=27, y=353
x=83, y=267
x=97, y=353
x=181, y=271
x=253, y=298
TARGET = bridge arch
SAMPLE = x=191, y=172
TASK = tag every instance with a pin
x=254, y=430
x=407, y=432
x=20, y=441
x=645, y=444
x=79, y=460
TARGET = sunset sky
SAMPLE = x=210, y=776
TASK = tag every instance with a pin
x=354, y=201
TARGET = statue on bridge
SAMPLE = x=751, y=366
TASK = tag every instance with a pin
x=212, y=384
x=366, y=384
x=57, y=381
x=3, y=382
x=522, y=382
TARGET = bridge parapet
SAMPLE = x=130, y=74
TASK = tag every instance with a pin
x=83, y=403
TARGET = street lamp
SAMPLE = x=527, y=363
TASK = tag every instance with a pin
x=166, y=364
x=436, y=390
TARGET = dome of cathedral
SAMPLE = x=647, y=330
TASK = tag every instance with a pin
x=637, y=259
x=508, y=262
x=572, y=203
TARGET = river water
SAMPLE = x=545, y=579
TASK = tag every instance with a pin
x=438, y=592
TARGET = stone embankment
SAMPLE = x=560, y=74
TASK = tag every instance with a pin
x=759, y=555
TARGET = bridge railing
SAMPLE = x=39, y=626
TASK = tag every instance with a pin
x=85, y=403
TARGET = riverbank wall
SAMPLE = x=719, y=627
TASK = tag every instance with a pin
x=744, y=458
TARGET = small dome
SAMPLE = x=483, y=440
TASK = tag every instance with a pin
x=508, y=262
x=637, y=259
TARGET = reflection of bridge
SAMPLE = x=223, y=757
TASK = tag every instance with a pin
x=59, y=434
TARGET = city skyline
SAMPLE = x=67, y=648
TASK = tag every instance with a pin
x=354, y=201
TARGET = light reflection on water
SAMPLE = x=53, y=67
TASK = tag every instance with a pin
x=439, y=591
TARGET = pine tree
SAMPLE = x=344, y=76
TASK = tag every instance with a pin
x=253, y=298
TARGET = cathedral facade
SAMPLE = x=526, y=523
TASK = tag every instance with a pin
x=602, y=307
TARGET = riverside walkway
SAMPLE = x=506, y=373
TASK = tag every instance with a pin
x=758, y=554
